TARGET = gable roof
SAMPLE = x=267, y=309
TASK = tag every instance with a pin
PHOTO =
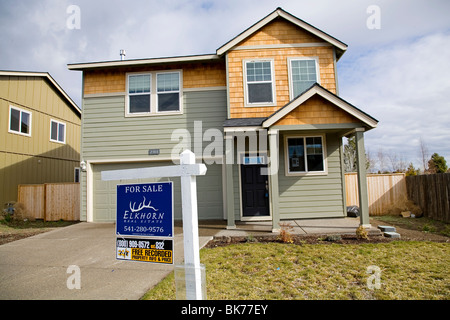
x=327, y=95
x=339, y=45
x=47, y=76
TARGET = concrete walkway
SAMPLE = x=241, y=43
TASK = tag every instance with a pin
x=36, y=267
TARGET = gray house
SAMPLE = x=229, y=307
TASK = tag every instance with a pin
x=263, y=113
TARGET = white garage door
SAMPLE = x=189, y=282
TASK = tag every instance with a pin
x=209, y=191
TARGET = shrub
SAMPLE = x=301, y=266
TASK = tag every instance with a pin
x=361, y=233
x=285, y=233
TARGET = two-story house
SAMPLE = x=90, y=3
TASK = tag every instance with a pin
x=263, y=113
x=40, y=131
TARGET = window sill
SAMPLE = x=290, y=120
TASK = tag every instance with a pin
x=152, y=114
x=20, y=133
x=56, y=141
x=260, y=105
x=306, y=174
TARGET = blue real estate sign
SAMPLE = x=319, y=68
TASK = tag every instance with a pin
x=145, y=210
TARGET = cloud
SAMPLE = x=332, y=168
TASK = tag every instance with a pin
x=404, y=86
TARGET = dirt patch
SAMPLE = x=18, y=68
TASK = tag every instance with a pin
x=412, y=235
x=19, y=229
x=10, y=237
x=406, y=235
x=298, y=240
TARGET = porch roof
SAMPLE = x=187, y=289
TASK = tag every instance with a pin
x=315, y=90
x=244, y=122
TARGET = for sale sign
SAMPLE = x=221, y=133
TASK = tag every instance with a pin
x=145, y=210
x=144, y=249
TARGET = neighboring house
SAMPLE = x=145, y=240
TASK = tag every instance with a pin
x=267, y=99
x=40, y=131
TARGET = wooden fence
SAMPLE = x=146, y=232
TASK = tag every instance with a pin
x=50, y=201
x=432, y=194
x=384, y=190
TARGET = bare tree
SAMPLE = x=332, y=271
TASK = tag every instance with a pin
x=424, y=154
x=398, y=164
x=370, y=161
x=381, y=157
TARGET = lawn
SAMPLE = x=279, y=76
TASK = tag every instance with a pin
x=408, y=270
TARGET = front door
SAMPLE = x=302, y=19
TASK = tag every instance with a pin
x=255, y=191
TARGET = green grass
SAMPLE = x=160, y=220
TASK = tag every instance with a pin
x=409, y=270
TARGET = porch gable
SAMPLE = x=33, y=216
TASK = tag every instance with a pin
x=317, y=105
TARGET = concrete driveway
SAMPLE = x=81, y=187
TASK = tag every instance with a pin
x=36, y=267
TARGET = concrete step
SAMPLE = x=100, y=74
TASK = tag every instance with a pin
x=391, y=235
x=387, y=229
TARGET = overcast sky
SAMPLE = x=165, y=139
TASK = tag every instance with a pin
x=399, y=73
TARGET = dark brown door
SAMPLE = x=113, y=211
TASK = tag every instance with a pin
x=255, y=191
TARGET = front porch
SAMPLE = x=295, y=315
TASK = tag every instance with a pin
x=303, y=166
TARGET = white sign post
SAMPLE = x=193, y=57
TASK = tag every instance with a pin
x=190, y=230
x=187, y=171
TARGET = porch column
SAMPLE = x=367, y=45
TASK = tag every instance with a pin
x=228, y=163
x=273, y=178
x=362, y=178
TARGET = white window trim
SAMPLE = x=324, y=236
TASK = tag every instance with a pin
x=179, y=92
x=127, y=97
x=153, y=94
x=291, y=82
x=65, y=131
x=274, y=95
x=20, y=121
x=305, y=173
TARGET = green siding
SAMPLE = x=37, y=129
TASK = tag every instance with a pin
x=304, y=196
x=108, y=134
x=313, y=196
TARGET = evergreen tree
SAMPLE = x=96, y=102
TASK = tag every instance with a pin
x=437, y=164
x=411, y=171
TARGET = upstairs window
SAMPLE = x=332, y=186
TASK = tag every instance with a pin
x=304, y=73
x=154, y=93
x=57, y=131
x=139, y=93
x=259, y=82
x=168, y=87
x=19, y=121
